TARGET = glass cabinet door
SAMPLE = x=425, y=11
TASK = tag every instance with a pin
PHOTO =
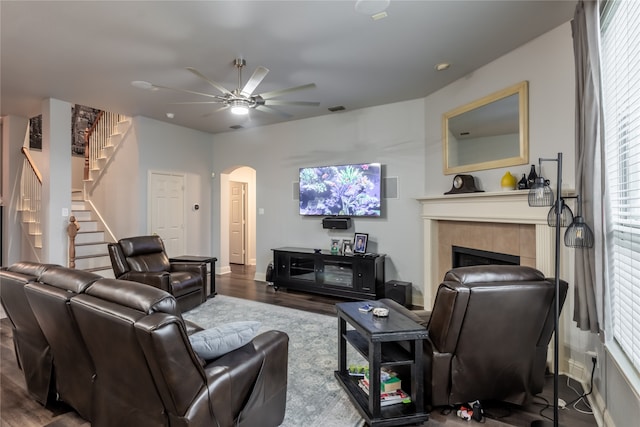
x=337, y=273
x=302, y=268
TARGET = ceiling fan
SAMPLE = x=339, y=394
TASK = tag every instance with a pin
x=240, y=99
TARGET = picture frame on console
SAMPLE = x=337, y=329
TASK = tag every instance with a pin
x=335, y=246
x=360, y=243
x=347, y=247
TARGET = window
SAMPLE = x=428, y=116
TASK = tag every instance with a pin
x=620, y=34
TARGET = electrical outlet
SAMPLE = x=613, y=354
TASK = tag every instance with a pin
x=593, y=355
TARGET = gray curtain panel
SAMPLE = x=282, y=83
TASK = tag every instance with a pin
x=589, y=277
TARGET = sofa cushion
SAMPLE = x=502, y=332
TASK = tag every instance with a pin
x=214, y=342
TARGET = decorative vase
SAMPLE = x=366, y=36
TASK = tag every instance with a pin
x=522, y=184
x=532, y=176
x=508, y=182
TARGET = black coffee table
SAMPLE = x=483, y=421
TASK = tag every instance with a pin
x=378, y=340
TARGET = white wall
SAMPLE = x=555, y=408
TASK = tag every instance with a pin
x=121, y=196
x=77, y=172
x=547, y=63
x=390, y=134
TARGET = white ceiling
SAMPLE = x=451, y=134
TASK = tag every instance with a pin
x=89, y=52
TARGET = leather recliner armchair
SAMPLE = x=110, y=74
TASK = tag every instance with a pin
x=147, y=373
x=31, y=347
x=143, y=259
x=489, y=330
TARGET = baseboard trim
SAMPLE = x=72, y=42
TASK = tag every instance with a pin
x=578, y=372
x=223, y=270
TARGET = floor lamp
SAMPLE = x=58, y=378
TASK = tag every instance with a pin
x=578, y=235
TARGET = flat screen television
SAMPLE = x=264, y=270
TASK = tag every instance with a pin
x=345, y=190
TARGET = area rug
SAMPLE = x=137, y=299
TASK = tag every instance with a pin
x=314, y=397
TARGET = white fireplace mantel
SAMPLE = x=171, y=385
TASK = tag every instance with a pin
x=495, y=207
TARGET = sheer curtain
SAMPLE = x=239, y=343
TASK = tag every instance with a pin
x=588, y=307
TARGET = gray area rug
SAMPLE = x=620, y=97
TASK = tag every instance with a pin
x=314, y=397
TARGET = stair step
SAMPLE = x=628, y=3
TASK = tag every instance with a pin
x=96, y=249
x=89, y=237
x=79, y=205
x=34, y=229
x=122, y=126
x=82, y=215
x=91, y=262
x=107, y=149
x=88, y=225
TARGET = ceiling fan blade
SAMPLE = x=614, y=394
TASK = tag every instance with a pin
x=212, y=83
x=257, y=77
x=281, y=102
x=210, y=113
x=276, y=93
x=196, y=102
x=266, y=109
x=185, y=91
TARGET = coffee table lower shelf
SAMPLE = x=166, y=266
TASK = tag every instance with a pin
x=392, y=415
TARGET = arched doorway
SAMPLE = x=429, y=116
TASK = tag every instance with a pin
x=237, y=217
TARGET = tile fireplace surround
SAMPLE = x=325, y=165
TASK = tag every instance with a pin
x=494, y=221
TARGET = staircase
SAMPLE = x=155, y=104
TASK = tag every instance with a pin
x=90, y=243
x=91, y=246
x=101, y=142
x=31, y=203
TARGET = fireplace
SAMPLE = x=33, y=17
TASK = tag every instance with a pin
x=499, y=222
x=488, y=221
x=463, y=257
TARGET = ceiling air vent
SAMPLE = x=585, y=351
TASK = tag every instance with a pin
x=236, y=127
x=336, y=108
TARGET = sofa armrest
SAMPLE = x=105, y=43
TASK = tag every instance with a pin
x=193, y=267
x=250, y=382
x=267, y=403
x=158, y=280
x=421, y=317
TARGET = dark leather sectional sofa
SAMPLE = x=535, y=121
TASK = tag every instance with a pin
x=118, y=352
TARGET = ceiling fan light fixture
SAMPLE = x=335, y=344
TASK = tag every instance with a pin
x=239, y=108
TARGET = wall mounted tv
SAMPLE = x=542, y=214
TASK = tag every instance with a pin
x=344, y=190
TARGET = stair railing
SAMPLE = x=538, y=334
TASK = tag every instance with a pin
x=31, y=194
x=97, y=138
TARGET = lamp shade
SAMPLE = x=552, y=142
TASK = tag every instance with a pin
x=578, y=235
x=540, y=194
x=566, y=216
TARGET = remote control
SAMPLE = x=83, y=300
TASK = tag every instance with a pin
x=366, y=308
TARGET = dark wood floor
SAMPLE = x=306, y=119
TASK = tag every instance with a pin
x=240, y=284
x=17, y=409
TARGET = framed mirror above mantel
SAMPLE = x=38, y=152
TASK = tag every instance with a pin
x=489, y=133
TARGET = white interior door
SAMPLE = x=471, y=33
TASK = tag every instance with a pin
x=166, y=210
x=237, y=222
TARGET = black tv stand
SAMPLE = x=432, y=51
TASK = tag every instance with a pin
x=358, y=277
